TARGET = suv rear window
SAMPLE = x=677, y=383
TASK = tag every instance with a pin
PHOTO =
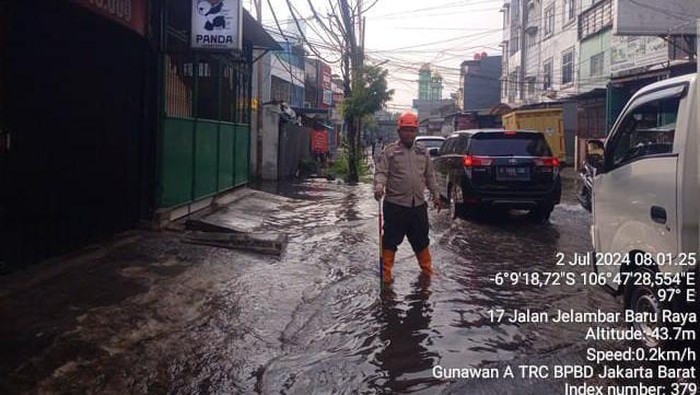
x=501, y=144
x=431, y=143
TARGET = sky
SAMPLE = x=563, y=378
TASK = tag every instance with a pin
x=407, y=34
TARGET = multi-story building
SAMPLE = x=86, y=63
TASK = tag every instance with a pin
x=569, y=54
x=318, y=90
x=287, y=74
x=479, y=83
x=430, y=105
x=540, y=50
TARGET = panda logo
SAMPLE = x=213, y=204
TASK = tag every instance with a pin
x=210, y=9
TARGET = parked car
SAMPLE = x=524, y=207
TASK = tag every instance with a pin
x=645, y=204
x=433, y=143
x=495, y=168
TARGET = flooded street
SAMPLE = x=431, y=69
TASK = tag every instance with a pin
x=151, y=315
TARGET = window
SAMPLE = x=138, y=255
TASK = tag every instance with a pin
x=597, y=64
x=512, y=86
x=462, y=145
x=549, y=20
x=514, y=44
x=569, y=10
x=504, y=88
x=448, y=146
x=567, y=67
x=531, y=87
x=647, y=130
x=547, y=75
x=499, y=144
x=595, y=19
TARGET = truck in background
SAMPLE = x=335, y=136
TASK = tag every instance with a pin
x=548, y=121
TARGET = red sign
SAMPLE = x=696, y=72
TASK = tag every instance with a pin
x=326, y=86
x=319, y=141
x=325, y=76
x=130, y=13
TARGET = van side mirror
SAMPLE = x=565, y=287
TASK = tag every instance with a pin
x=595, y=160
x=434, y=151
x=595, y=154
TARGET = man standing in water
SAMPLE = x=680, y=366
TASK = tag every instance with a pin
x=403, y=171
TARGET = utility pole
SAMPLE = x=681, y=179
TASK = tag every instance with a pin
x=352, y=79
x=258, y=112
x=362, y=20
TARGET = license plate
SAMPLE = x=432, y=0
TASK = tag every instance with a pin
x=514, y=173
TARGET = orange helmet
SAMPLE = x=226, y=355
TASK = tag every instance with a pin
x=408, y=120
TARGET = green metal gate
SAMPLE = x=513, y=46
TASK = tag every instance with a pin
x=205, y=133
x=202, y=158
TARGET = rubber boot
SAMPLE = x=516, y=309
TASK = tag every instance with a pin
x=388, y=262
x=425, y=261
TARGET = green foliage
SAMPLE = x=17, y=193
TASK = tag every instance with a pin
x=369, y=93
x=341, y=169
x=308, y=166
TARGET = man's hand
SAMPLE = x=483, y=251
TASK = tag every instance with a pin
x=379, y=192
x=437, y=202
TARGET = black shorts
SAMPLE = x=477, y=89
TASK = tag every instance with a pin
x=402, y=221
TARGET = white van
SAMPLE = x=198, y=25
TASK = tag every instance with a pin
x=646, y=198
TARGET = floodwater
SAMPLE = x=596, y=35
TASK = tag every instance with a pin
x=182, y=319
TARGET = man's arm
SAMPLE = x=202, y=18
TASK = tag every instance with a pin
x=380, y=174
x=430, y=178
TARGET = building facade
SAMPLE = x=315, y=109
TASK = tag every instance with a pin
x=480, y=83
x=430, y=105
x=565, y=53
x=133, y=121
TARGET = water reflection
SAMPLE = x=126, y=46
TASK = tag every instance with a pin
x=406, y=360
x=348, y=210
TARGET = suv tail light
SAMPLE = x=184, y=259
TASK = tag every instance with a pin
x=547, y=162
x=477, y=161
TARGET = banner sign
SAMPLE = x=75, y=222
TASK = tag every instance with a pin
x=130, y=13
x=216, y=24
x=326, y=86
x=319, y=141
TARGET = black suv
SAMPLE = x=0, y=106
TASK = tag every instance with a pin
x=494, y=168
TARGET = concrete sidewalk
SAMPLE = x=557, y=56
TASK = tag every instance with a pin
x=244, y=210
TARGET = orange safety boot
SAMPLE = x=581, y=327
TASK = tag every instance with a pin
x=425, y=261
x=388, y=264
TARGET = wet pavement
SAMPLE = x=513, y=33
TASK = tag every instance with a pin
x=148, y=314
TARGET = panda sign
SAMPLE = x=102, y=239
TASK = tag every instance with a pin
x=216, y=24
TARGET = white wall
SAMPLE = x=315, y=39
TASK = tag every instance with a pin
x=270, y=136
x=287, y=72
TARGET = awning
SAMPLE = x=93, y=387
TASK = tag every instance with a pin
x=597, y=93
x=309, y=110
x=253, y=33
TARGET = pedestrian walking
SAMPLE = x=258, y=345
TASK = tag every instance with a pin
x=403, y=171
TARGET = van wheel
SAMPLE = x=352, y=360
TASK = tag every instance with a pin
x=456, y=209
x=643, y=299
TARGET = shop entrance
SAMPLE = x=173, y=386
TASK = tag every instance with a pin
x=78, y=112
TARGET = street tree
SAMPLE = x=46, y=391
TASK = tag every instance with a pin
x=370, y=94
x=342, y=26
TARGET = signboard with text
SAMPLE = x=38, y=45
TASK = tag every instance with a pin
x=326, y=86
x=632, y=52
x=216, y=24
x=654, y=18
x=129, y=13
x=319, y=141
